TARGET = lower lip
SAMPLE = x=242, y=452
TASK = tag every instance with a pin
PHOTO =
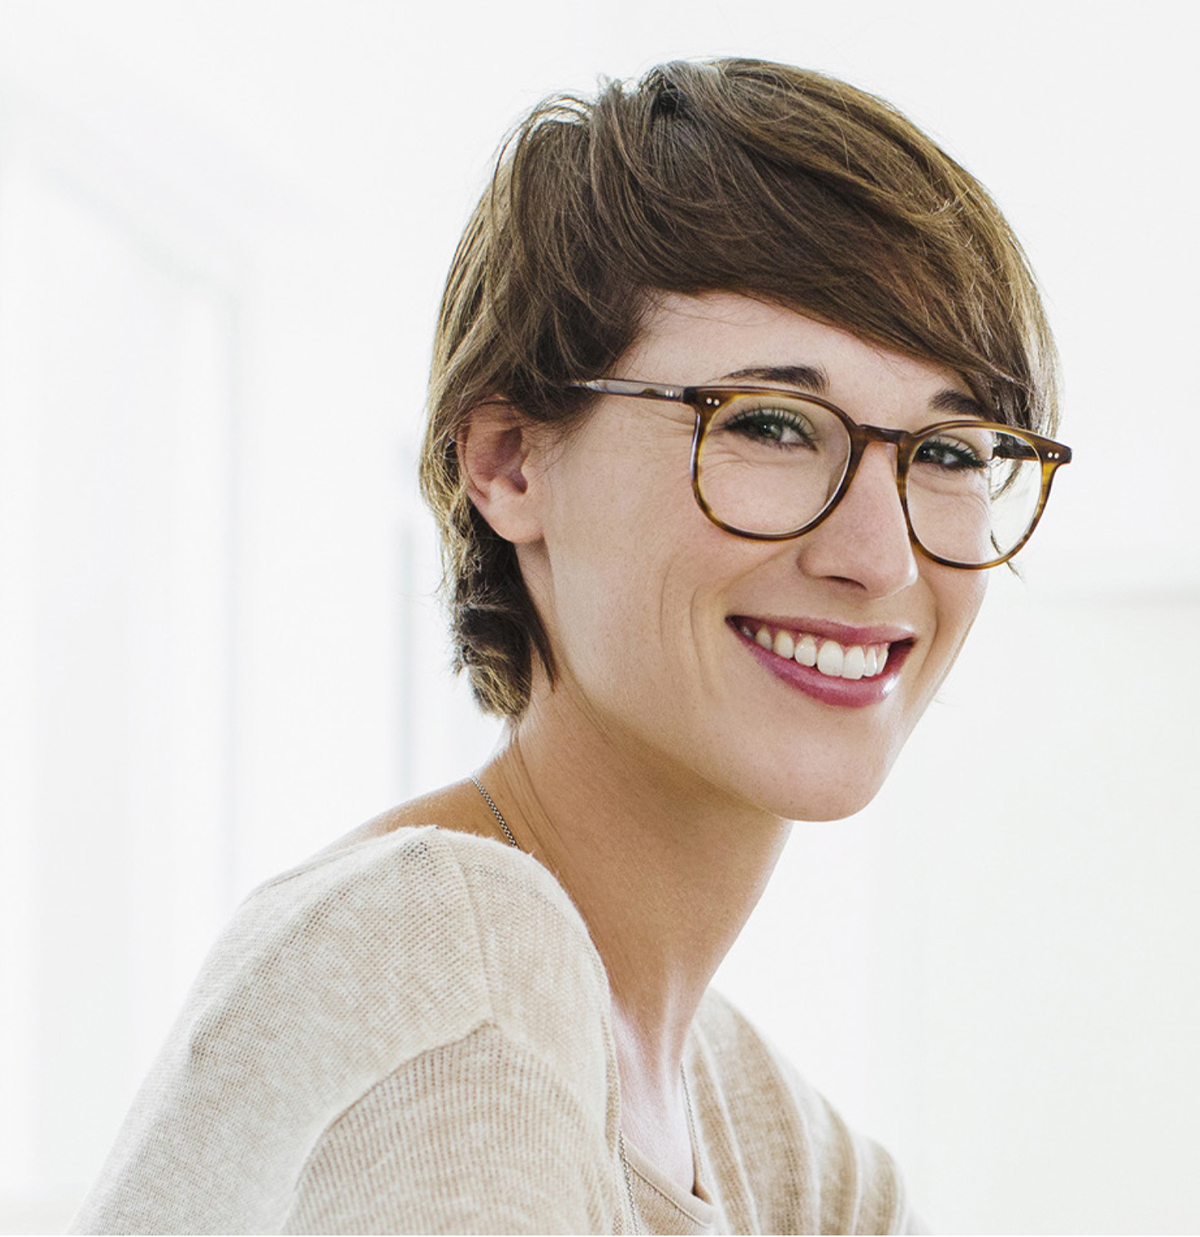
x=847, y=693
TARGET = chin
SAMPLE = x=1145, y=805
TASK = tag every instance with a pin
x=811, y=803
x=822, y=793
x=837, y=803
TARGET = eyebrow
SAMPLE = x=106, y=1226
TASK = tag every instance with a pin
x=813, y=378
x=964, y=405
x=805, y=377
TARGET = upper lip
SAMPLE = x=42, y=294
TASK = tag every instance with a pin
x=843, y=633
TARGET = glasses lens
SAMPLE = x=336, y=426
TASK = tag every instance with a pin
x=973, y=493
x=772, y=463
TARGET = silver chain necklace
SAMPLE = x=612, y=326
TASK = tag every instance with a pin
x=687, y=1098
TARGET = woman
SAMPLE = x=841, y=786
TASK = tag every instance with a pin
x=739, y=384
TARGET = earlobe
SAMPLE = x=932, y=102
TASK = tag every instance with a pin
x=495, y=454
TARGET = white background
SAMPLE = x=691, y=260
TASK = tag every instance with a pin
x=223, y=230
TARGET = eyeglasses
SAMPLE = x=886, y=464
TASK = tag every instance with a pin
x=771, y=465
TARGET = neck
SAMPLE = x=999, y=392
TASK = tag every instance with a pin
x=664, y=871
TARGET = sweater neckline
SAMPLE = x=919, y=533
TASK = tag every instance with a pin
x=651, y=1183
x=657, y=1191
x=654, y=1186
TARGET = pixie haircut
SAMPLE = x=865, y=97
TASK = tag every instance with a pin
x=732, y=175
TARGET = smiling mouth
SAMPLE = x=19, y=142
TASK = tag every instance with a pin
x=826, y=656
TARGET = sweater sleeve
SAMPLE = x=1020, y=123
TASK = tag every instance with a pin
x=475, y=1136
x=856, y=1180
x=370, y=1030
x=793, y=1164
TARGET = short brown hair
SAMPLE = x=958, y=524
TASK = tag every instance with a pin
x=730, y=175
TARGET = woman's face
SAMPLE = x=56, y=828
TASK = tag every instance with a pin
x=659, y=619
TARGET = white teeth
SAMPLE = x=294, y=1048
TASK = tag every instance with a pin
x=855, y=663
x=835, y=661
x=830, y=659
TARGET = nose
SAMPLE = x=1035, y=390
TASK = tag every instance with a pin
x=864, y=541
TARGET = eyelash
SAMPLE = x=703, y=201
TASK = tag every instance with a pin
x=770, y=416
x=964, y=457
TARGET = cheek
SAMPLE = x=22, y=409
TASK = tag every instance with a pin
x=959, y=596
x=595, y=579
x=631, y=605
x=618, y=531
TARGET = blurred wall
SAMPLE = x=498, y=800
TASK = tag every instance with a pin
x=223, y=230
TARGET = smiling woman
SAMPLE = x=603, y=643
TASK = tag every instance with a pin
x=739, y=385
x=645, y=597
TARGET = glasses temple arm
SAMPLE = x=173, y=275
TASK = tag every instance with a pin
x=622, y=386
x=1014, y=449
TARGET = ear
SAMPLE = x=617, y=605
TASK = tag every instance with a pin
x=499, y=461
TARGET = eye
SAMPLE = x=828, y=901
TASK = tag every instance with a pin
x=781, y=427
x=952, y=453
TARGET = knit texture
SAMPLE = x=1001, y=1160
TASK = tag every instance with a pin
x=412, y=1035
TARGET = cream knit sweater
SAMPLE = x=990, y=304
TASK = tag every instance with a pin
x=412, y=1035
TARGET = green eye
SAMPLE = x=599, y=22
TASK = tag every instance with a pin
x=949, y=453
x=777, y=426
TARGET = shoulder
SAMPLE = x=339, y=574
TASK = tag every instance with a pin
x=346, y=975
x=810, y=1170
x=402, y=942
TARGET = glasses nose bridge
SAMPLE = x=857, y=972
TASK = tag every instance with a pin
x=863, y=436
x=881, y=434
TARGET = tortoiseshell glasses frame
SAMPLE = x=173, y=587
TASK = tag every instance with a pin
x=708, y=401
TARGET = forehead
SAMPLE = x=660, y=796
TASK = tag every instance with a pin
x=716, y=337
